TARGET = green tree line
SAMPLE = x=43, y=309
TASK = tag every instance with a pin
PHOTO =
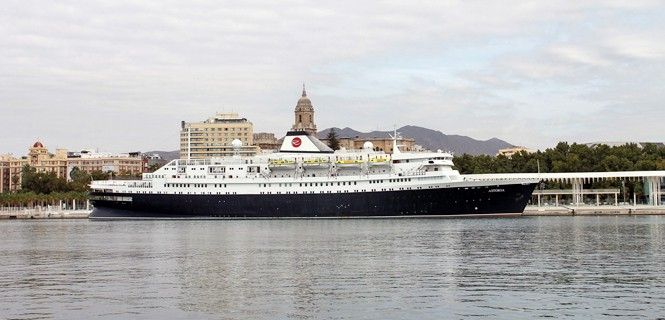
x=46, y=188
x=568, y=158
x=573, y=158
x=32, y=199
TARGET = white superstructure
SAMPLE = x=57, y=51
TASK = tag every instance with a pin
x=304, y=165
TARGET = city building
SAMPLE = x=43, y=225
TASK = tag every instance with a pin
x=39, y=158
x=509, y=152
x=61, y=163
x=266, y=141
x=384, y=144
x=213, y=137
x=124, y=164
x=4, y=173
x=304, y=115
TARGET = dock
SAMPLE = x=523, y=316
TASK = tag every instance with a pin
x=593, y=210
x=42, y=213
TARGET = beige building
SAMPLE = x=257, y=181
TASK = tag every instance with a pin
x=380, y=144
x=213, y=137
x=304, y=115
x=61, y=163
x=39, y=158
x=266, y=141
x=132, y=164
x=509, y=152
x=4, y=173
x=10, y=172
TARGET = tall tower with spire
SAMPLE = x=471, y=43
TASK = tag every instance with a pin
x=304, y=114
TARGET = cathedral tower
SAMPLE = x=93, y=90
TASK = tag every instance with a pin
x=304, y=115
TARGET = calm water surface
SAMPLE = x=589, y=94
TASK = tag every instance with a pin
x=510, y=268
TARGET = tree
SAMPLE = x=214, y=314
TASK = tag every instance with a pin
x=569, y=158
x=333, y=142
x=99, y=175
x=41, y=182
x=80, y=180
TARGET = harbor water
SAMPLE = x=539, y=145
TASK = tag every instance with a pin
x=484, y=268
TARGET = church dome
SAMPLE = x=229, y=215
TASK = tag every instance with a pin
x=38, y=145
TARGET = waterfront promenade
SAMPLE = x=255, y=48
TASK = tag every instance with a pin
x=44, y=213
x=602, y=210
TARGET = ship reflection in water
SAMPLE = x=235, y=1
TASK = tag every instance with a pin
x=566, y=267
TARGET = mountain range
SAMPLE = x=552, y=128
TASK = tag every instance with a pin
x=430, y=139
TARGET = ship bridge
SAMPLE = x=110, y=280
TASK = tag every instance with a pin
x=653, y=182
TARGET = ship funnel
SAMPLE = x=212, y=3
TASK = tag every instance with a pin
x=301, y=142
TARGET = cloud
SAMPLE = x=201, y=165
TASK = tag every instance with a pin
x=121, y=75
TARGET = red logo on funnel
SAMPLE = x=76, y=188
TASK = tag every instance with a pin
x=296, y=142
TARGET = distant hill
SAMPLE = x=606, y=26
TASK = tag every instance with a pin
x=166, y=155
x=431, y=139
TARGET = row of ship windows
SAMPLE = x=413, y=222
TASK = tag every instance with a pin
x=304, y=192
x=194, y=185
x=390, y=180
x=198, y=185
x=310, y=184
x=342, y=191
x=192, y=169
x=291, y=192
x=267, y=185
x=220, y=129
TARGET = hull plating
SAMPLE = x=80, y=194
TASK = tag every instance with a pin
x=502, y=199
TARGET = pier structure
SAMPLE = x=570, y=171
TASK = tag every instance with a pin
x=65, y=210
x=653, y=181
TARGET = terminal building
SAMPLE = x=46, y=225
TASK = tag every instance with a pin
x=652, y=181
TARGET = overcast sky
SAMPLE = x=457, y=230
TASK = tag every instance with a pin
x=121, y=75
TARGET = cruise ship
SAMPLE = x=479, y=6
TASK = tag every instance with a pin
x=307, y=179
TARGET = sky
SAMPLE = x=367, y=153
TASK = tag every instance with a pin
x=119, y=75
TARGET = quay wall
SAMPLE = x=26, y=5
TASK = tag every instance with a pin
x=593, y=211
x=44, y=214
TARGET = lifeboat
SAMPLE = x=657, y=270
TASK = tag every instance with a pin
x=316, y=162
x=379, y=161
x=348, y=163
x=281, y=164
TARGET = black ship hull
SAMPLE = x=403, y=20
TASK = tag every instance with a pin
x=496, y=199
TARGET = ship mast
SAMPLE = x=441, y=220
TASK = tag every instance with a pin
x=395, y=145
